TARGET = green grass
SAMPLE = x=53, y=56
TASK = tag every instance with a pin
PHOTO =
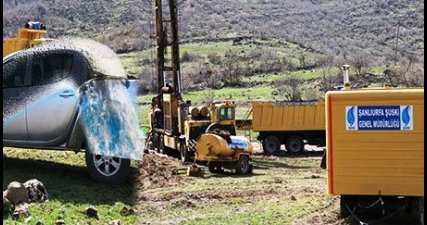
x=262, y=198
x=70, y=188
x=238, y=94
x=133, y=61
x=268, y=78
x=282, y=190
x=377, y=70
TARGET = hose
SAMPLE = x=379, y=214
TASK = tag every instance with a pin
x=397, y=212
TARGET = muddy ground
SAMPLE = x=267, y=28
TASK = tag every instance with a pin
x=283, y=189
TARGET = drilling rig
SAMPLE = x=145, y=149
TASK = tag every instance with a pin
x=28, y=36
x=204, y=134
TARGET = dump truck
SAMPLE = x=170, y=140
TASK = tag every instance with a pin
x=293, y=124
x=375, y=151
x=28, y=36
x=203, y=134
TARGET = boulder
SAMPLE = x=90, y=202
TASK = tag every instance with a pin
x=16, y=193
x=36, y=191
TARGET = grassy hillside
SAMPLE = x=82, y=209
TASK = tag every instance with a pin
x=135, y=62
x=319, y=25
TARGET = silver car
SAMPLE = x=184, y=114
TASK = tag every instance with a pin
x=40, y=106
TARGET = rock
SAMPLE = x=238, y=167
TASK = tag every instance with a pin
x=91, y=211
x=22, y=209
x=16, y=193
x=7, y=206
x=115, y=222
x=194, y=171
x=293, y=198
x=127, y=211
x=28, y=220
x=59, y=222
x=36, y=191
x=6, y=203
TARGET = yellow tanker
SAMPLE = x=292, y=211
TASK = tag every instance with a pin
x=224, y=152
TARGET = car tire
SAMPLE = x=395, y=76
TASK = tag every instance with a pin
x=295, y=144
x=108, y=170
x=271, y=145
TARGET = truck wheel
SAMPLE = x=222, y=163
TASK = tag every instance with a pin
x=105, y=169
x=185, y=154
x=271, y=145
x=295, y=144
x=242, y=166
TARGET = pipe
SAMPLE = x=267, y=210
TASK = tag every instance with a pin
x=347, y=85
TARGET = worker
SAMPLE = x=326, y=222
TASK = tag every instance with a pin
x=35, y=25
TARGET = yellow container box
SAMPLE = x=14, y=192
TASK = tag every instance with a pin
x=375, y=142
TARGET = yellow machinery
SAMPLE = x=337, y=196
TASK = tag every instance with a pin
x=220, y=153
x=201, y=134
x=198, y=134
x=288, y=116
x=289, y=123
x=27, y=37
x=375, y=149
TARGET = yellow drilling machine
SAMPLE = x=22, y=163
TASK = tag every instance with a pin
x=28, y=36
x=205, y=134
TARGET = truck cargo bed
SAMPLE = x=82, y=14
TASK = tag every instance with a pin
x=288, y=116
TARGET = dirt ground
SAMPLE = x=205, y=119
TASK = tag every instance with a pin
x=283, y=189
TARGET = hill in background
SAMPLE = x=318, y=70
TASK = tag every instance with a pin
x=324, y=26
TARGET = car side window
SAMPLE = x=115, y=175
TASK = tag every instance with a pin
x=14, y=73
x=51, y=68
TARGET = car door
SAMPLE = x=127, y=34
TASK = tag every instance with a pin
x=54, y=85
x=15, y=93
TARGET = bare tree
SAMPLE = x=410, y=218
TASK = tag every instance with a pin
x=214, y=58
x=360, y=62
x=406, y=73
x=291, y=87
x=231, y=70
x=328, y=80
x=302, y=60
x=209, y=76
x=270, y=61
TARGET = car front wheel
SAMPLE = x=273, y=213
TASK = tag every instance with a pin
x=106, y=169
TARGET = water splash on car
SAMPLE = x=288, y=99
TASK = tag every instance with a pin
x=109, y=120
